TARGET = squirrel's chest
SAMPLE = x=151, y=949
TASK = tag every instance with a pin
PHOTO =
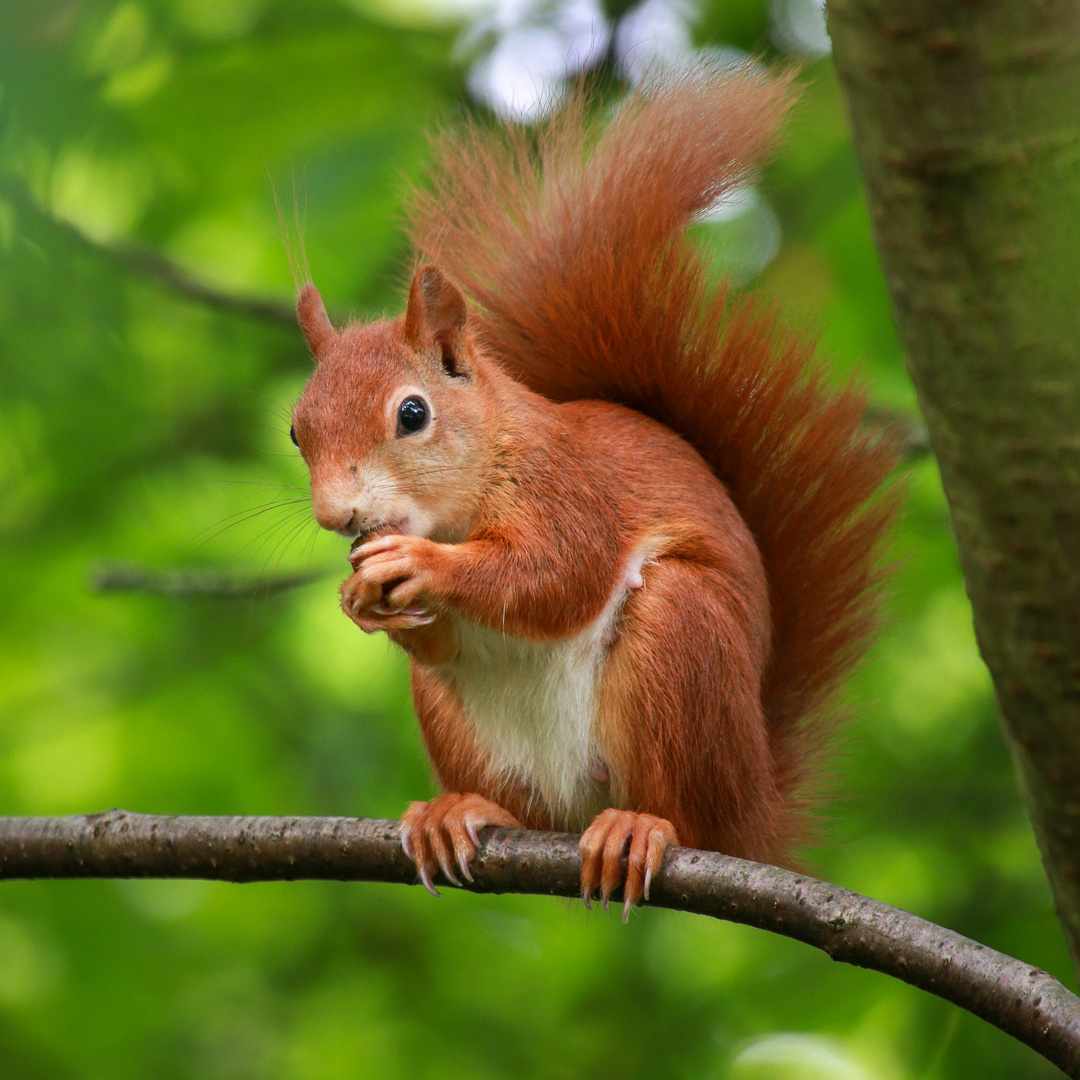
x=533, y=706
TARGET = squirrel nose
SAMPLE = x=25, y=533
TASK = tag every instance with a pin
x=330, y=515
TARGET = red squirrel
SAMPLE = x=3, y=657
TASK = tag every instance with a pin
x=625, y=532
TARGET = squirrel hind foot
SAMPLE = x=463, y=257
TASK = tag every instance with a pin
x=445, y=833
x=642, y=838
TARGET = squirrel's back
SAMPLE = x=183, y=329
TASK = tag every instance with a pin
x=571, y=241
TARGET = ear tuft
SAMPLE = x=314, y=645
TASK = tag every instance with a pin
x=435, y=316
x=314, y=321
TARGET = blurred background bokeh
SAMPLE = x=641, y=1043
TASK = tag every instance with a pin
x=144, y=420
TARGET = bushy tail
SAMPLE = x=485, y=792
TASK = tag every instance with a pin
x=572, y=242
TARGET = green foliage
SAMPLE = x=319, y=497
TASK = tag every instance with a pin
x=138, y=425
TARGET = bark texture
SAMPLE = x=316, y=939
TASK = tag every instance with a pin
x=1015, y=997
x=966, y=117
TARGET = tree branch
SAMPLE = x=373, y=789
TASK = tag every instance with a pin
x=1021, y=1000
x=967, y=124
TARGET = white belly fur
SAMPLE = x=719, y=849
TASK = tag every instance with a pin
x=534, y=704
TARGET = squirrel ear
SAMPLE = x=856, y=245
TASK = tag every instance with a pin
x=314, y=321
x=435, y=316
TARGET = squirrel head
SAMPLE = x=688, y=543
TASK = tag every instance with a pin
x=391, y=423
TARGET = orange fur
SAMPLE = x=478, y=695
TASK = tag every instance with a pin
x=625, y=472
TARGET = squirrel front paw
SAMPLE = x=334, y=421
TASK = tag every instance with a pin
x=363, y=602
x=613, y=833
x=445, y=831
x=400, y=567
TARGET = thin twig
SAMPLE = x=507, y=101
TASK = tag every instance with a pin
x=1021, y=1000
x=907, y=432
x=197, y=582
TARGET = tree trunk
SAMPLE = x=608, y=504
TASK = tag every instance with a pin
x=966, y=116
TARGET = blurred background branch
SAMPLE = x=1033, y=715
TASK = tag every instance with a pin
x=201, y=582
x=214, y=583
x=1026, y=1003
x=146, y=263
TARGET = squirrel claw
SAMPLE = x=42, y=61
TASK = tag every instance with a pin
x=445, y=831
x=448, y=873
x=425, y=878
x=614, y=834
x=463, y=866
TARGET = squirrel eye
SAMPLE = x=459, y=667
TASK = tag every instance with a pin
x=292, y=435
x=412, y=415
